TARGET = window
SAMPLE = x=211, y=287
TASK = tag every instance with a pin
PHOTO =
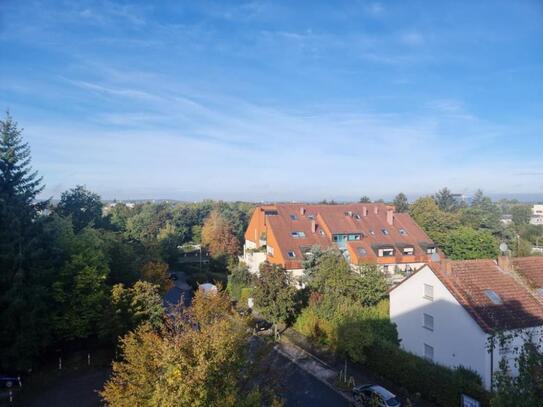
x=356, y=216
x=311, y=216
x=361, y=251
x=269, y=250
x=403, y=232
x=494, y=297
x=540, y=291
x=293, y=217
x=385, y=268
x=372, y=232
x=321, y=232
x=505, y=349
x=386, y=252
x=291, y=254
x=297, y=235
x=430, y=250
x=429, y=292
x=408, y=251
x=428, y=352
x=354, y=237
x=428, y=322
x=385, y=231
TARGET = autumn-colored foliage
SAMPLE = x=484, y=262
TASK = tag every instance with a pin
x=156, y=272
x=197, y=358
x=218, y=237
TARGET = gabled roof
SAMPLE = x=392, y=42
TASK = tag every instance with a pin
x=469, y=281
x=531, y=268
x=368, y=220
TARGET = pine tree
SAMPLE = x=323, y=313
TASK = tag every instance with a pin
x=22, y=311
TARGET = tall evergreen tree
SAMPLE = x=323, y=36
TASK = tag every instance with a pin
x=401, y=203
x=22, y=294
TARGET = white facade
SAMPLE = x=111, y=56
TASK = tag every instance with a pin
x=431, y=323
x=537, y=215
x=252, y=258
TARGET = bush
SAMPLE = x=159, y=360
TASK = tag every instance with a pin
x=435, y=383
x=245, y=294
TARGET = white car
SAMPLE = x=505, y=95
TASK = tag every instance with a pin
x=373, y=395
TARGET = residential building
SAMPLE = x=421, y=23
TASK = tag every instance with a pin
x=371, y=233
x=537, y=215
x=455, y=312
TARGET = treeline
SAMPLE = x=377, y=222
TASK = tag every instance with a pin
x=72, y=276
x=473, y=230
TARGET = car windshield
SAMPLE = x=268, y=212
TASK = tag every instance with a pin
x=394, y=401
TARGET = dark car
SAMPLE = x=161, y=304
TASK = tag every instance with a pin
x=374, y=395
x=173, y=277
x=9, y=382
x=262, y=325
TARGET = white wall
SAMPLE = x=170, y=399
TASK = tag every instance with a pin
x=457, y=340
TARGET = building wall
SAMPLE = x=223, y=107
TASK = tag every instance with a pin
x=456, y=339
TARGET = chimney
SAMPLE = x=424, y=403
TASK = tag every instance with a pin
x=313, y=226
x=390, y=215
x=446, y=266
x=504, y=262
x=376, y=209
x=364, y=211
x=302, y=211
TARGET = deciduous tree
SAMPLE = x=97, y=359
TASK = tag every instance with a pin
x=466, y=243
x=274, y=293
x=82, y=205
x=156, y=272
x=400, y=203
x=218, y=237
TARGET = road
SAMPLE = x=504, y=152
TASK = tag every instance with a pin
x=300, y=389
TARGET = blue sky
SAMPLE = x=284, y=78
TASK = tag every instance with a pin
x=277, y=100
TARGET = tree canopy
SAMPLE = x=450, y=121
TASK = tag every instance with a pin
x=400, y=203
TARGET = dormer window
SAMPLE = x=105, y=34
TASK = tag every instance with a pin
x=293, y=216
x=297, y=235
x=431, y=250
x=408, y=251
x=386, y=252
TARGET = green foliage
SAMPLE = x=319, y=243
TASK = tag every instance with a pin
x=84, y=207
x=435, y=222
x=332, y=277
x=80, y=292
x=446, y=201
x=436, y=384
x=400, y=203
x=132, y=306
x=274, y=293
x=239, y=278
x=521, y=214
x=25, y=271
x=466, y=243
x=482, y=214
x=525, y=389
x=365, y=199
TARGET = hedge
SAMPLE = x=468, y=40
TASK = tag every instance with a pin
x=435, y=383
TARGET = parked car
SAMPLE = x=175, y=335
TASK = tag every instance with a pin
x=9, y=382
x=373, y=395
x=173, y=277
x=262, y=325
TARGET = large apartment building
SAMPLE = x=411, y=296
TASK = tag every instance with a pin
x=365, y=233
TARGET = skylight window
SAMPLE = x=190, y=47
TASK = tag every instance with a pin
x=356, y=216
x=291, y=254
x=372, y=232
x=403, y=232
x=361, y=251
x=293, y=217
x=297, y=234
x=494, y=297
x=385, y=231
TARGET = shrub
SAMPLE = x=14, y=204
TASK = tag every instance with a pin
x=245, y=294
x=435, y=383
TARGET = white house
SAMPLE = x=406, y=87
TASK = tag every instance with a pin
x=451, y=313
x=537, y=215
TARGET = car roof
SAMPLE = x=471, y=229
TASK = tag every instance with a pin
x=387, y=395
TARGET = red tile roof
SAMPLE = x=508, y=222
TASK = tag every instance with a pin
x=368, y=220
x=531, y=268
x=468, y=280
